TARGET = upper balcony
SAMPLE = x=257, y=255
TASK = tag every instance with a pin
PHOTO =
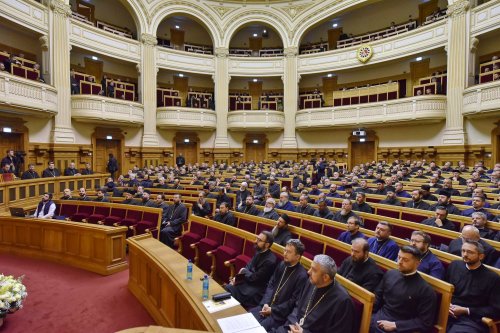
x=250, y=66
x=421, y=109
x=24, y=96
x=485, y=17
x=482, y=99
x=422, y=39
x=186, y=118
x=100, y=109
x=27, y=13
x=256, y=120
x=94, y=39
x=185, y=61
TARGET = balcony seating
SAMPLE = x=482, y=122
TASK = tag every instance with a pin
x=203, y=49
x=314, y=48
x=167, y=97
x=123, y=32
x=370, y=37
x=488, y=70
x=198, y=99
x=240, y=102
x=369, y=94
x=311, y=100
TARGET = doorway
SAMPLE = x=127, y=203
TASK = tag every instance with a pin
x=103, y=148
x=362, y=152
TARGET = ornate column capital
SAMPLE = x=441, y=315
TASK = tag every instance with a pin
x=148, y=39
x=221, y=52
x=291, y=51
x=44, y=42
x=473, y=44
x=60, y=8
x=458, y=8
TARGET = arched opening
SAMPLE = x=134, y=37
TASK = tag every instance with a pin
x=109, y=15
x=256, y=39
x=185, y=33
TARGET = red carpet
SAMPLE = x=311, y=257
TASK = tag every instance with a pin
x=63, y=299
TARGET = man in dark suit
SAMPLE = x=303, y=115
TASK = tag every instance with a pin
x=112, y=165
x=180, y=161
x=175, y=218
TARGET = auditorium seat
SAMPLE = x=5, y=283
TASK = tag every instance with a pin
x=196, y=232
x=115, y=216
x=337, y=255
x=213, y=239
x=232, y=246
x=149, y=222
x=312, y=247
x=100, y=213
x=132, y=218
x=312, y=226
x=247, y=225
x=243, y=259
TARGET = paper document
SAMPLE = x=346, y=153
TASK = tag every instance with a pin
x=244, y=323
x=212, y=306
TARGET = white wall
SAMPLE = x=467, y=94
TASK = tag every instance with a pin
x=194, y=32
x=110, y=65
x=241, y=37
x=479, y=130
x=15, y=36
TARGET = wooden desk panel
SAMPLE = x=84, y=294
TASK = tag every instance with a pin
x=95, y=248
x=158, y=280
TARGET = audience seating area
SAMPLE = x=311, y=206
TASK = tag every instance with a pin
x=265, y=52
x=203, y=49
x=431, y=85
x=311, y=100
x=240, y=102
x=167, y=97
x=314, y=48
x=490, y=71
x=202, y=100
x=21, y=67
x=369, y=94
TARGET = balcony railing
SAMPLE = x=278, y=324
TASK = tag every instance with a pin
x=421, y=108
x=30, y=14
x=258, y=120
x=181, y=117
x=92, y=108
x=27, y=96
x=482, y=99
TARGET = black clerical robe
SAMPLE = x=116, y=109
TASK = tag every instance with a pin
x=255, y=277
x=478, y=290
x=363, y=207
x=308, y=210
x=343, y=218
x=252, y=210
x=447, y=224
x=282, y=292
x=407, y=300
x=281, y=236
x=227, y=218
x=366, y=274
x=334, y=313
x=172, y=226
x=272, y=215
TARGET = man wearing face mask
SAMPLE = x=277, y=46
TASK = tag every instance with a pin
x=249, y=285
x=269, y=212
x=242, y=194
x=283, y=289
x=249, y=207
x=46, y=207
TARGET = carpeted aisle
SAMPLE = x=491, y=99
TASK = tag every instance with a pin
x=63, y=299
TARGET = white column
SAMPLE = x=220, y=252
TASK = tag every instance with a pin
x=148, y=89
x=473, y=62
x=454, y=133
x=62, y=131
x=291, y=93
x=46, y=68
x=221, y=96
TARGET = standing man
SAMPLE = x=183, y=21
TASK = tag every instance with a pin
x=171, y=227
x=112, y=165
x=10, y=160
x=249, y=285
x=404, y=302
x=283, y=289
x=179, y=160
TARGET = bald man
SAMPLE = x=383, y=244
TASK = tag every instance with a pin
x=469, y=232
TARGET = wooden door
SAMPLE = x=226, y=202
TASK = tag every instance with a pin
x=188, y=150
x=12, y=141
x=94, y=67
x=255, y=151
x=101, y=154
x=86, y=10
x=362, y=152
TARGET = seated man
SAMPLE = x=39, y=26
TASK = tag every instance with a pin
x=323, y=211
x=470, y=232
x=224, y=215
x=429, y=264
x=324, y=305
x=360, y=205
x=478, y=206
x=101, y=196
x=83, y=195
x=46, y=207
x=202, y=207
x=269, y=212
x=284, y=203
x=477, y=291
x=400, y=192
x=417, y=202
x=345, y=212
x=249, y=285
x=280, y=231
x=381, y=244
x=352, y=231
x=71, y=170
x=30, y=173
x=360, y=268
x=391, y=199
x=440, y=220
x=67, y=195
x=304, y=207
x=444, y=200
x=404, y=301
x=249, y=207
x=51, y=171
x=129, y=198
x=171, y=227
x=479, y=221
x=284, y=288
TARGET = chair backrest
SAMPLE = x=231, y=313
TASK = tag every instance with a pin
x=134, y=214
x=84, y=209
x=215, y=235
x=118, y=212
x=312, y=226
x=247, y=225
x=313, y=247
x=234, y=242
x=102, y=210
x=198, y=228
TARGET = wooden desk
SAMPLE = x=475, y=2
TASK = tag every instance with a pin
x=158, y=280
x=95, y=248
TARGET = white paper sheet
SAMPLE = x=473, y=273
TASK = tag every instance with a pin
x=244, y=323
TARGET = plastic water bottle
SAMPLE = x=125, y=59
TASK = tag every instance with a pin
x=205, y=288
x=189, y=275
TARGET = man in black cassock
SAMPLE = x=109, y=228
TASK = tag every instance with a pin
x=360, y=268
x=179, y=160
x=477, y=291
x=249, y=285
x=472, y=233
x=283, y=289
x=324, y=305
x=404, y=302
x=280, y=231
x=172, y=225
x=224, y=215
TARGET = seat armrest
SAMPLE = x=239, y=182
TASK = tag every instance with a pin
x=492, y=324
